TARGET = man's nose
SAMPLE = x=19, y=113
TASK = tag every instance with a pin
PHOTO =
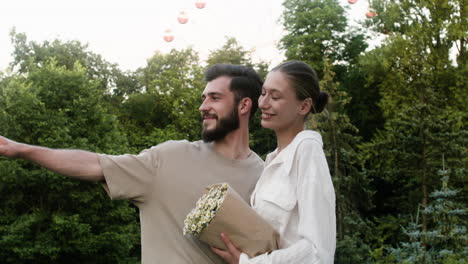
x=203, y=107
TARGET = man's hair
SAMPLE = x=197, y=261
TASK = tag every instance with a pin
x=245, y=82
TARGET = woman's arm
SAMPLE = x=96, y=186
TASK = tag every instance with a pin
x=300, y=252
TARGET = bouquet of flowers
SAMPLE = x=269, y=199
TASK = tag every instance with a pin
x=205, y=210
x=221, y=209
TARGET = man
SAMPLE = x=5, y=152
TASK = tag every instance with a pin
x=166, y=180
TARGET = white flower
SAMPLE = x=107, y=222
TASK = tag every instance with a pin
x=205, y=210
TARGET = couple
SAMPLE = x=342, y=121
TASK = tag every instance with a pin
x=294, y=191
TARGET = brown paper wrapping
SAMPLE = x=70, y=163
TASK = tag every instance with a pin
x=248, y=231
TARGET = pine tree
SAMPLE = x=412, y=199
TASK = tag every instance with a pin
x=351, y=186
x=425, y=114
x=445, y=241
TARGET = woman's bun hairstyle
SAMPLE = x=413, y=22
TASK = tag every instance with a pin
x=305, y=82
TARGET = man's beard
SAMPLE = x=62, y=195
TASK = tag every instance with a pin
x=223, y=127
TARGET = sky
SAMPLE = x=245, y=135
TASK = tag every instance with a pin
x=128, y=32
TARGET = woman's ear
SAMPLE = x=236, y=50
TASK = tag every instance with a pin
x=305, y=106
x=245, y=105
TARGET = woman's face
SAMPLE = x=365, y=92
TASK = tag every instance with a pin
x=280, y=107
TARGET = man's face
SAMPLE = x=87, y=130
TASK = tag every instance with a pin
x=218, y=110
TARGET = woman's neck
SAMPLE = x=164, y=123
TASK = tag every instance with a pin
x=285, y=137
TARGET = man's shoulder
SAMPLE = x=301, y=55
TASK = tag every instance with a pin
x=256, y=158
x=179, y=145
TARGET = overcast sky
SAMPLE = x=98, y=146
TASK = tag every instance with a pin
x=128, y=32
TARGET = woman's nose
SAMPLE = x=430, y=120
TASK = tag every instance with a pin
x=263, y=102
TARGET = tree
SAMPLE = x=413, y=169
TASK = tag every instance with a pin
x=45, y=217
x=231, y=52
x=351, y=185
x=445, y=241
x=361, y=81
x=28, y=54
x=421, y=103
x=318, y=29
x=166, y=105
x=314, y=29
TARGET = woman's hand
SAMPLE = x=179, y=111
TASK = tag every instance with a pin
x=232, y=254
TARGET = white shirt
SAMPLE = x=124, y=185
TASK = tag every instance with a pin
x=295, y=194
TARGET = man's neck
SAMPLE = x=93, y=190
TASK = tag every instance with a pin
x=235, y=145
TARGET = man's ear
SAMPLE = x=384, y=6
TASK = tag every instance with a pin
x=305, y=106
x=245, y=105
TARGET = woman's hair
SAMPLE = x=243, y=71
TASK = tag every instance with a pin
x=305, y=82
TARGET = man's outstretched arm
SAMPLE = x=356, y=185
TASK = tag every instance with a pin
x=78, y=164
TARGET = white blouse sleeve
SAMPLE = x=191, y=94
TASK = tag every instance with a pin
x=316, y=206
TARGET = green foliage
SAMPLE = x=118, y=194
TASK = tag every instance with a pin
x=445, y=241
x=362, y=86
x=30, y=54
x=448, y=234
x=341, y=143
x=394, y=112
x=318, y=29
x=351, y=186
x=420, y=89
x=231, y=52
x=314, y=30
x=166, y=107
x=354, y=246
x=45, y=217
x=262, y=141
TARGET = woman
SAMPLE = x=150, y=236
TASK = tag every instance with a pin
x=295, y=191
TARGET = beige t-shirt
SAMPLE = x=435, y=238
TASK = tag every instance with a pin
x=165, y=182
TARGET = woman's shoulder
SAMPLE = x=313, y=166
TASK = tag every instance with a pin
x=308, y=138
x=305, y=144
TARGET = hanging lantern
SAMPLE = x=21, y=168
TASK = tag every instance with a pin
x=371, y=13
x=352, y=1
x=200, y=4
x=183, y=17
x=168, y=36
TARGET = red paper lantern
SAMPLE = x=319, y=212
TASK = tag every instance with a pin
x=183, y=17
x=352, y=1
x=168, y=36
x=371, y=13
x=200, y=4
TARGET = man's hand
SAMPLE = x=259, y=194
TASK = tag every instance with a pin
x=232, y=254
x=9, y=148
